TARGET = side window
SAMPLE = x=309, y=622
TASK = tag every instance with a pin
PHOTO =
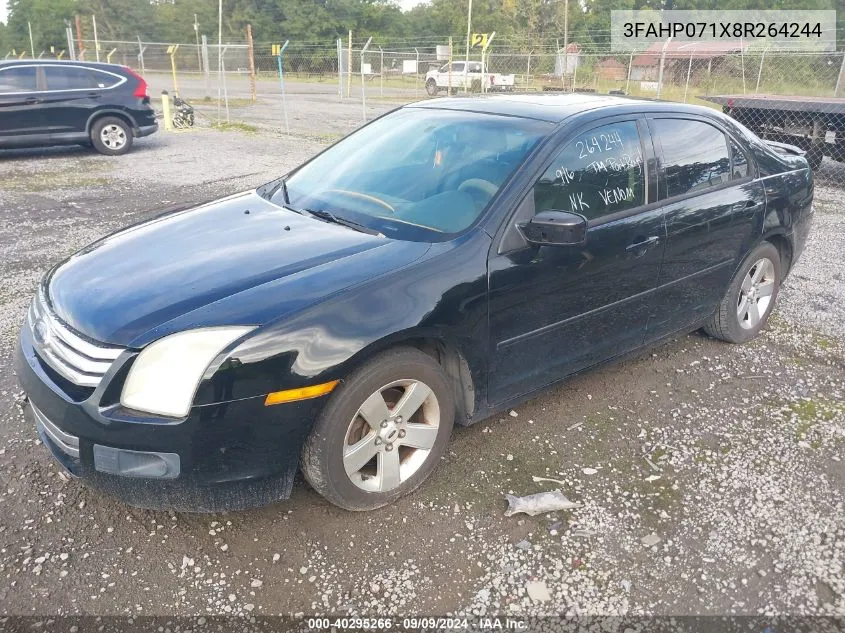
x=475, y=67
x=695, y=155
x=457, y=67
x=598, y=173
x=739, y=162
x=76, y=78
x=17, y=79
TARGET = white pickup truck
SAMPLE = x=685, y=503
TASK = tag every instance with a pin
x=439, y=79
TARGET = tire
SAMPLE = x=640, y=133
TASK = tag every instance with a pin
x=332, y=467
x=111, y=136
x=431, y=87
x=735, y=321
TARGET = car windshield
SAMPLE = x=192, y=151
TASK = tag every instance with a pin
x=417, y=174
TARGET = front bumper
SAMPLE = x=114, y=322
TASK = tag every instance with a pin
x=224, y=456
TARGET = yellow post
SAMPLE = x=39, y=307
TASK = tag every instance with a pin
x=110, y=53
x=22, y=54
x=171, y=50
x=165, y=108
x=61, y=54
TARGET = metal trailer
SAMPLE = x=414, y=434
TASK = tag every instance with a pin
x=814, y=124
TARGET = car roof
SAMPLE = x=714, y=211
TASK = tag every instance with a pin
x=555, y=108
x=62, y=62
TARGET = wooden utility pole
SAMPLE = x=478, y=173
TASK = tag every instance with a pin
x=251, y=61
x=79, y=45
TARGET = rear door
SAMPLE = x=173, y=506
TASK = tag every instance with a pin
x=21, y=116
x=712, y=202
x=73, y=94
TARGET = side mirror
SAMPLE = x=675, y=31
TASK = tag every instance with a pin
x=559, y=228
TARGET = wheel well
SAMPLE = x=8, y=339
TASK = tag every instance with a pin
x=781, y=243
x=456, y=369
x=116, y=115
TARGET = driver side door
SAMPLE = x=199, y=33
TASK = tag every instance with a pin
x=557, y=309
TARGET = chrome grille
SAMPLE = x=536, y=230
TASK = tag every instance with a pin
x=83, y=363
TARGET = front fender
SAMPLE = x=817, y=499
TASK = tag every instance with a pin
x=442, y=296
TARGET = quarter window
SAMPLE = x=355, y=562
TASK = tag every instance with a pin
x=17, y=79
x=695, y=155
x=598, y=173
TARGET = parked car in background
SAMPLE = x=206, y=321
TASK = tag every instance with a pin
x=472, y=76
x=443, y=263
x=51, y=102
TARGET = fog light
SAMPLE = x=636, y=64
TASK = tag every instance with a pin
x=118, y=461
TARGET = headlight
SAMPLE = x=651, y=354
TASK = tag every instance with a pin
x=166, y=374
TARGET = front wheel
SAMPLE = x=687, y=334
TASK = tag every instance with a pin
x=750, y=298
x=383, y=431
x=431, y=87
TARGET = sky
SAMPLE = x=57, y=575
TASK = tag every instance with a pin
x=3, y=9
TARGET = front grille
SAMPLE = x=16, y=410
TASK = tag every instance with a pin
x=82, y=362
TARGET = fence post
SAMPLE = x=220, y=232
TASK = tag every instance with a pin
x=363, y=87
x=417, y=80
x=282, y=85
x=81, y=48
x=171, y=50
x=205, y=65
x=742, y=63
x=349, y=67
x=381, y=72
x=141, y=49
x=251, y=61
x=222, y=54
x=840, y=78
x=689, y=72
x=760, y=71
x=662, y=62
x=96, y=40
x=339, y=43
x=630, y=67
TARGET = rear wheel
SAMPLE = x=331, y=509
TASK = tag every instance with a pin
x=382, y=433
x=431, y=87
x=111, y=136
x=750, y=298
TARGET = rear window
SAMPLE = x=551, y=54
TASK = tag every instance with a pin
x=17, y=79
x=695, y=155
x=77, y=78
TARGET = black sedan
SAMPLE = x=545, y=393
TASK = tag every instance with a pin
x=446, y=261
x=52, y=102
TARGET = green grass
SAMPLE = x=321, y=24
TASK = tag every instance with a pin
x=235, y=126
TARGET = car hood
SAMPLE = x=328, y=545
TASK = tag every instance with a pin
x=237, y=261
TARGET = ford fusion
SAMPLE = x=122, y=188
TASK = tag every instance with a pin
x=442, y=263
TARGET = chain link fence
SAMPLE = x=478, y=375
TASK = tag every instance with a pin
x=792, y=97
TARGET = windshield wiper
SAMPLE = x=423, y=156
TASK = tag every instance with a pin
x=280, y=184
x=328, y=216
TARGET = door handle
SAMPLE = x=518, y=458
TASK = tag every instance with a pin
x=31, y=100
x=94, y=95
x=643, y=245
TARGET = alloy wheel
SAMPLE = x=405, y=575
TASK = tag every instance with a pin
x=755, y=294
x=391, y=435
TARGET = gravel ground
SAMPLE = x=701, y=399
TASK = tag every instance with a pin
x=709, y=476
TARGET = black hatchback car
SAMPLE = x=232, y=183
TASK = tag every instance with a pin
x=51, y=102
x=444, y=262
